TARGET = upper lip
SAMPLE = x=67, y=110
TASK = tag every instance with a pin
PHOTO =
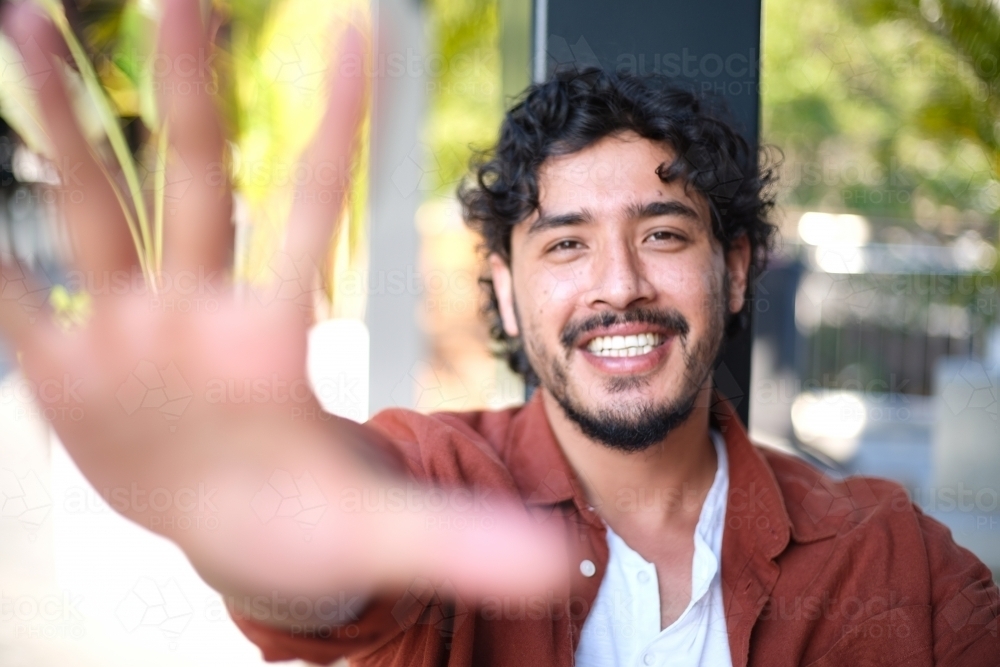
x=628, y=329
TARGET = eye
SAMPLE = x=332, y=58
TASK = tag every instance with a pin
x=664, y=235
x=566, y=244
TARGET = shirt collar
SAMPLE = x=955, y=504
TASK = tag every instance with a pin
x=535, y=459
x=544, y=477
x=754, y=494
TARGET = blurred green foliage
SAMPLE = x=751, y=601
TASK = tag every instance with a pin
x=888, y=108
x=465, y=97
x=270, y=66
x=884, y=107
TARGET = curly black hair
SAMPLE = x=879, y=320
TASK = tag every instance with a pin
x=574, y=110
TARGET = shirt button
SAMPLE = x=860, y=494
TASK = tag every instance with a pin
x=587, y=568
x=648, y=659
x=643, y=577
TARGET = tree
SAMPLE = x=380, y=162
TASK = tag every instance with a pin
x=888, y=107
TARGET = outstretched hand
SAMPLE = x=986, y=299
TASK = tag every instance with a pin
x=228, y=451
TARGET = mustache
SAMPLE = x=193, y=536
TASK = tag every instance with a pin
x=669, y=319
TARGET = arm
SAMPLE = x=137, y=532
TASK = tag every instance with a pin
x=230, y=452
x=966, y=603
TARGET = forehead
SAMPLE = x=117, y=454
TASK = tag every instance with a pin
x=615, y=169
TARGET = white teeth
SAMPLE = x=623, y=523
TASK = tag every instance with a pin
x=624, y=346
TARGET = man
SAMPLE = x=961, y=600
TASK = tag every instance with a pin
x=624, y=221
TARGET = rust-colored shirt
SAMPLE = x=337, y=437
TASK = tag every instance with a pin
x=814, y=571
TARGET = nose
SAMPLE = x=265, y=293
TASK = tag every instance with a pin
x=619, y=279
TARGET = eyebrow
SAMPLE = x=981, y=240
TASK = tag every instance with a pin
x=662, y=208
x=544, y=222
x=634, y=211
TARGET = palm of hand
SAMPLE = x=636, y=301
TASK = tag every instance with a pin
x=141, y=402
x=135, y=385
x=136, y=335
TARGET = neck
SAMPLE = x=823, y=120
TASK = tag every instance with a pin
x=661, y=486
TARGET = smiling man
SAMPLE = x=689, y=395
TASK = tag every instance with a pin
x=623, y=220
x=620, y=288
x=620, y=517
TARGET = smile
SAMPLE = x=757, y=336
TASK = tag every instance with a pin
x=625, y=346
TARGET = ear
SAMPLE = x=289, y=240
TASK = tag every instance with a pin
x=504, y=288
x=738, y=265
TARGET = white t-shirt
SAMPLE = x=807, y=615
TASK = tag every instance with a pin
x=623, y=627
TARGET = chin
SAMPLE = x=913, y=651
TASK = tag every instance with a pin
x=629, y=426
x=627, y=405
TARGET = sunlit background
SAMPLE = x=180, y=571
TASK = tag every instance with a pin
x=877, y=347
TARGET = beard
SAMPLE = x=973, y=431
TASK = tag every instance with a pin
x=635, y=426
x=629, y=431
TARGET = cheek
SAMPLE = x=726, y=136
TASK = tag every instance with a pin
x=694, y=286
x=684, y=279
x=677, y=278
x=548, y=290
